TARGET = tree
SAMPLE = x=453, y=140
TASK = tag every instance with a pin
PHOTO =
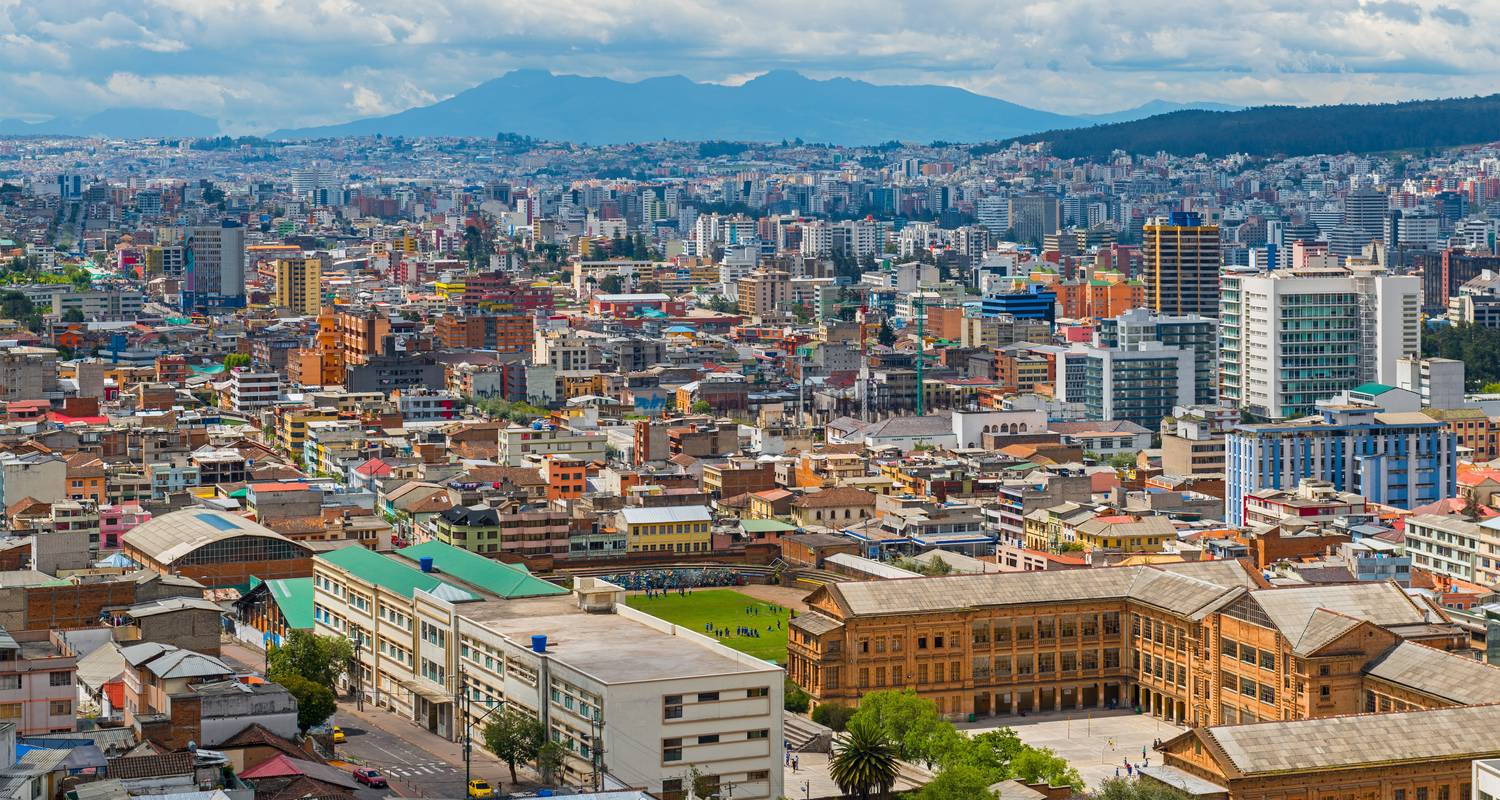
x=236, y=360
x=1136, y=789
x=702, y=407
x=794, y=699
x=1472, y=509
x=909, y=721
x=865, y=761
x=834, y=715
x=320, y=659
x=958, y=783
x=611, y=284
x=550, y=758
x=14, y=305
x=1039, y=764
x=315, y=701
x=886, y=336
x=73, y=315
x=515, y=738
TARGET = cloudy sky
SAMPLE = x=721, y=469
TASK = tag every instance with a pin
x=264, y=64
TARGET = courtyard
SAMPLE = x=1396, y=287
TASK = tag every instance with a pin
x=1095, y=742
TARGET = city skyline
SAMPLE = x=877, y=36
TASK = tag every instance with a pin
x=258, y=66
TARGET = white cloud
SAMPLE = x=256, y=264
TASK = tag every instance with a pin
x=269, y=63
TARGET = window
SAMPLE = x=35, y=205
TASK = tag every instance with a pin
x=757, y=775
x=1323, y=692
x=708, y=697
x=10, y=710
x=937, y=642
x=671, y=750
x=60, y=678
x=60, y=708
x=759, y=691
x=708, y=738
x=760, y=734
x=10, y=681
x=921, y=642
x=1228, y=648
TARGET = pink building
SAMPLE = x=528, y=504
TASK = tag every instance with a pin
x=37, y=690
x=115, y=521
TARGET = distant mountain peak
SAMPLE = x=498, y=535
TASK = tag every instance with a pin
x=775, y=105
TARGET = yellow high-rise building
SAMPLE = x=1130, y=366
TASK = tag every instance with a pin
x=299, y=285
x=1183, y=260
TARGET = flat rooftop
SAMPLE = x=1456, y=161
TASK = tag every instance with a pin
x=614, y=648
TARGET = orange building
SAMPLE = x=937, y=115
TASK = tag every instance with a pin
x=507, y=333
x=567, y=478
x=1401, y=756
x=1200, y=643
x=85, y=478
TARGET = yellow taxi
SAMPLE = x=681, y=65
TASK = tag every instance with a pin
x=480, y=789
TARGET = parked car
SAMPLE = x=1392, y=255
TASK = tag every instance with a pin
x=480, y=789
x=369, y=777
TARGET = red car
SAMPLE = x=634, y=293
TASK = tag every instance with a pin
x=369, y=777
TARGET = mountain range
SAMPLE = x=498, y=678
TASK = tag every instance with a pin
x=119, y=123
x=778, y=105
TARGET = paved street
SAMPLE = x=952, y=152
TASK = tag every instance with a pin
x=416, y=762
x=411, y=770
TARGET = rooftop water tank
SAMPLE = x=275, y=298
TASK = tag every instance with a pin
x=426, y=562
x=539, y=642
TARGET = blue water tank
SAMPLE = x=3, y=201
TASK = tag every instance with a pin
x=539, y=642
x=426, y=562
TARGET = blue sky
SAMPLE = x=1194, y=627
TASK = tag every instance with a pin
x=264, y=64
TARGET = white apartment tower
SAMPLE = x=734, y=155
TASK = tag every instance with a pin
x=1290, y=338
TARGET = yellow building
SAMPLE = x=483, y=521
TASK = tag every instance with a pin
x=450, y=289
x=1125, y=533
x=299, y=285
x=291, y=427
x=671, y=529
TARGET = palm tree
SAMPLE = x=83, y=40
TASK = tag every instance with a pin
x=866, y=761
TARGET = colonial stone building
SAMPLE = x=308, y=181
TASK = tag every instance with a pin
x=1197, y=643
x=1398, y=756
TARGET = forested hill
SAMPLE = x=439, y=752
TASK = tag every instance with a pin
x=1289, y=130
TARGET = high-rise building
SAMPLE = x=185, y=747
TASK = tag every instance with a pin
x=1365, y=210
x=765, y=293
x=1132, y=329
x=1182, y=257
x=1141, y=384
x=215, y=274
x=1032, y=217
x=1403, y=459
x=299, y=285
x=1293, y=337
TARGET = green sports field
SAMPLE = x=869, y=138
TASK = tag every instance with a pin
x=725, y=610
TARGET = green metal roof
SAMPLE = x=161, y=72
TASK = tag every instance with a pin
x=492, y=576
x=1371, y=388
x=766, y=526
x=390, y=574
x=294, y=597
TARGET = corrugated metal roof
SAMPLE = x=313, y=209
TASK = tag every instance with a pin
x=665, y=514
x=1440, y=674
x=172, y=536
x=1353, y=741
x=492, y=576
x=388, y=573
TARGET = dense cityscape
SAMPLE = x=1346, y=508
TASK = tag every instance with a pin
x=474, y=467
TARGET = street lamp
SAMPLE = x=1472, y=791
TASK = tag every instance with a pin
x=468, y=703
